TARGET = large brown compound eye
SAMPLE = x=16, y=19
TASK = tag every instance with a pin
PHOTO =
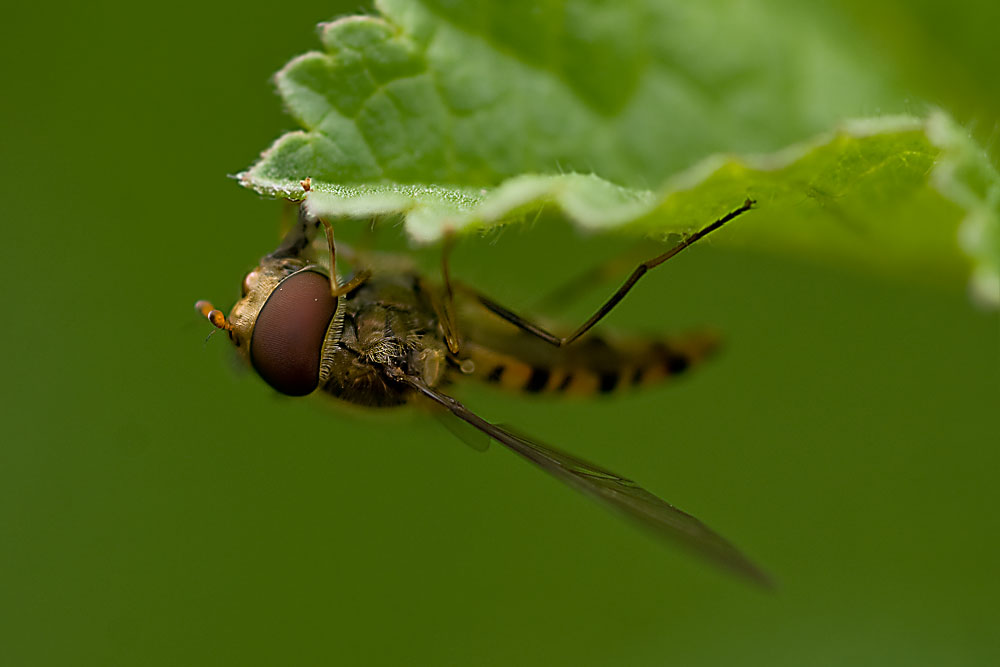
x=288, y=336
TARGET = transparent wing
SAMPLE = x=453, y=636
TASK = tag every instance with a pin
x=468, y=434
x=628, y=497
x=615, y=491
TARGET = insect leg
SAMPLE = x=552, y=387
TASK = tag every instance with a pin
x=590, y=278
x=300, y=237
x=335, y=288
x=447, y=314
x=615, y=298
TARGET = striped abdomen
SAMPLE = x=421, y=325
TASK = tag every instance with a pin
x=589, y=366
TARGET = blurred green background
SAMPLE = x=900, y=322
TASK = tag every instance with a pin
x=158, y=506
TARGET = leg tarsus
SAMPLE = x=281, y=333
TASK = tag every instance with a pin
x=359, y=279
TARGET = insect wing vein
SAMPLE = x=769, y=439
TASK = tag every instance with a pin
x=617, y=492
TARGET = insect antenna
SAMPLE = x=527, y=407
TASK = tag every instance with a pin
x=213, y=315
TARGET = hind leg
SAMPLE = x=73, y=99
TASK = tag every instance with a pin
x=615, y=298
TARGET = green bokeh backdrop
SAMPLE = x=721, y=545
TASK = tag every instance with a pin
x=160, y=507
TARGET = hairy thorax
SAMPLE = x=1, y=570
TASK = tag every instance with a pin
x=386, y=323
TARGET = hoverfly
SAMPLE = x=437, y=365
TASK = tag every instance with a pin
x=389, y=336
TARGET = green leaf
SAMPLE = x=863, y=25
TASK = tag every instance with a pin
x=647, y=116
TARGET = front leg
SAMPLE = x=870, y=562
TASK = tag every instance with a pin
x=359, y=278
x=300, y=237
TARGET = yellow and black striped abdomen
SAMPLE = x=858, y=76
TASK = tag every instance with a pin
x=592, y=365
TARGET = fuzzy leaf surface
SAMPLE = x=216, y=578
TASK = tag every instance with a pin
x=460, y=116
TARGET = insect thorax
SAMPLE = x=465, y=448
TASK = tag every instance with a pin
x=386, y=322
